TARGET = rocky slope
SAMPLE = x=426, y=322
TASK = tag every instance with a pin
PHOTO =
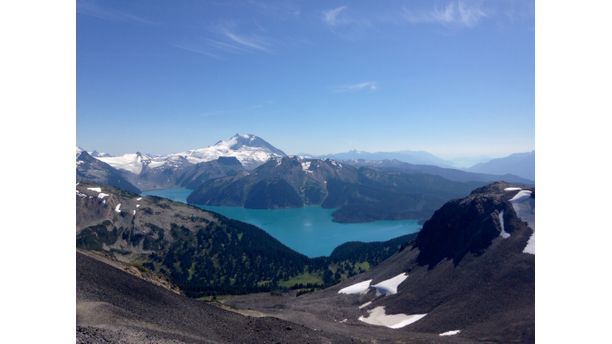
x=113, y=306
x=468, y=277
x=196, y=175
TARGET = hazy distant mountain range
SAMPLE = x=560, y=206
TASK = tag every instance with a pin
x=413, y=157
x=520, y=164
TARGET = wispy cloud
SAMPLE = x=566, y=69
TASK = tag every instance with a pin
x=331, y=16
x=248, y=41
x=453, y=13
x=227, y=40
x=93, y=9
x=369, y=86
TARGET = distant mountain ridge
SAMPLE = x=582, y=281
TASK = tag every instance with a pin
x=520, y=164
x=413, y=157
x=447, y=173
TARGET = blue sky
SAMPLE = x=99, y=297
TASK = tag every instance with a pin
x=455, y=78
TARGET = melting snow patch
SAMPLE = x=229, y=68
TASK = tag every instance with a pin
x=80, y=194
x=95, y=189
x=137, y=205
x=139, y=198
x=521, y=196
x=118, y=208
x=378, y=317
x=134, y=212
x=389, y=287
x=524, y=206
x=357, y=288
x=512, y=188
x=101, y=195
x=365, y=305
x=530, y=248
x=306, y=166
x=503, y=232
x=450, y=333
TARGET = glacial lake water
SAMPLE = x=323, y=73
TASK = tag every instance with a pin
x=308, y=230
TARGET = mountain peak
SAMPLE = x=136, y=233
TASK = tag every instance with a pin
x=248, y=141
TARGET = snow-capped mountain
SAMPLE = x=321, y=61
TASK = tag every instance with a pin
x=249, y=149
x=131, y=162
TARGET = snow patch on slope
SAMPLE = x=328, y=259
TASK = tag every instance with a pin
x=450, y=333
x=530, y=247
x=118, y=208
x=503, y=232
x=389, y=287
x=357, y=288
x=95, y=189
x=512, y=188
x=365, y=305
x=521, y=196
x=378, y=317
x=524, y=206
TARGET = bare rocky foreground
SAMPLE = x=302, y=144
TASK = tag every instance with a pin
x=116, y=307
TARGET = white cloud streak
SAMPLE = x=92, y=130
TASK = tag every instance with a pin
x=455, y=13
x=331, y=16
x=369, y=86
x=226, y=41
x=253, y=42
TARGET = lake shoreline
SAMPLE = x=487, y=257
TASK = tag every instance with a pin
x=309, y=230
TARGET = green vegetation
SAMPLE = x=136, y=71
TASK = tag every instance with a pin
x=214, y=255
x=302, y=281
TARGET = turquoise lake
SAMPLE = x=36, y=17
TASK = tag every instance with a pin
x=308, y=230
